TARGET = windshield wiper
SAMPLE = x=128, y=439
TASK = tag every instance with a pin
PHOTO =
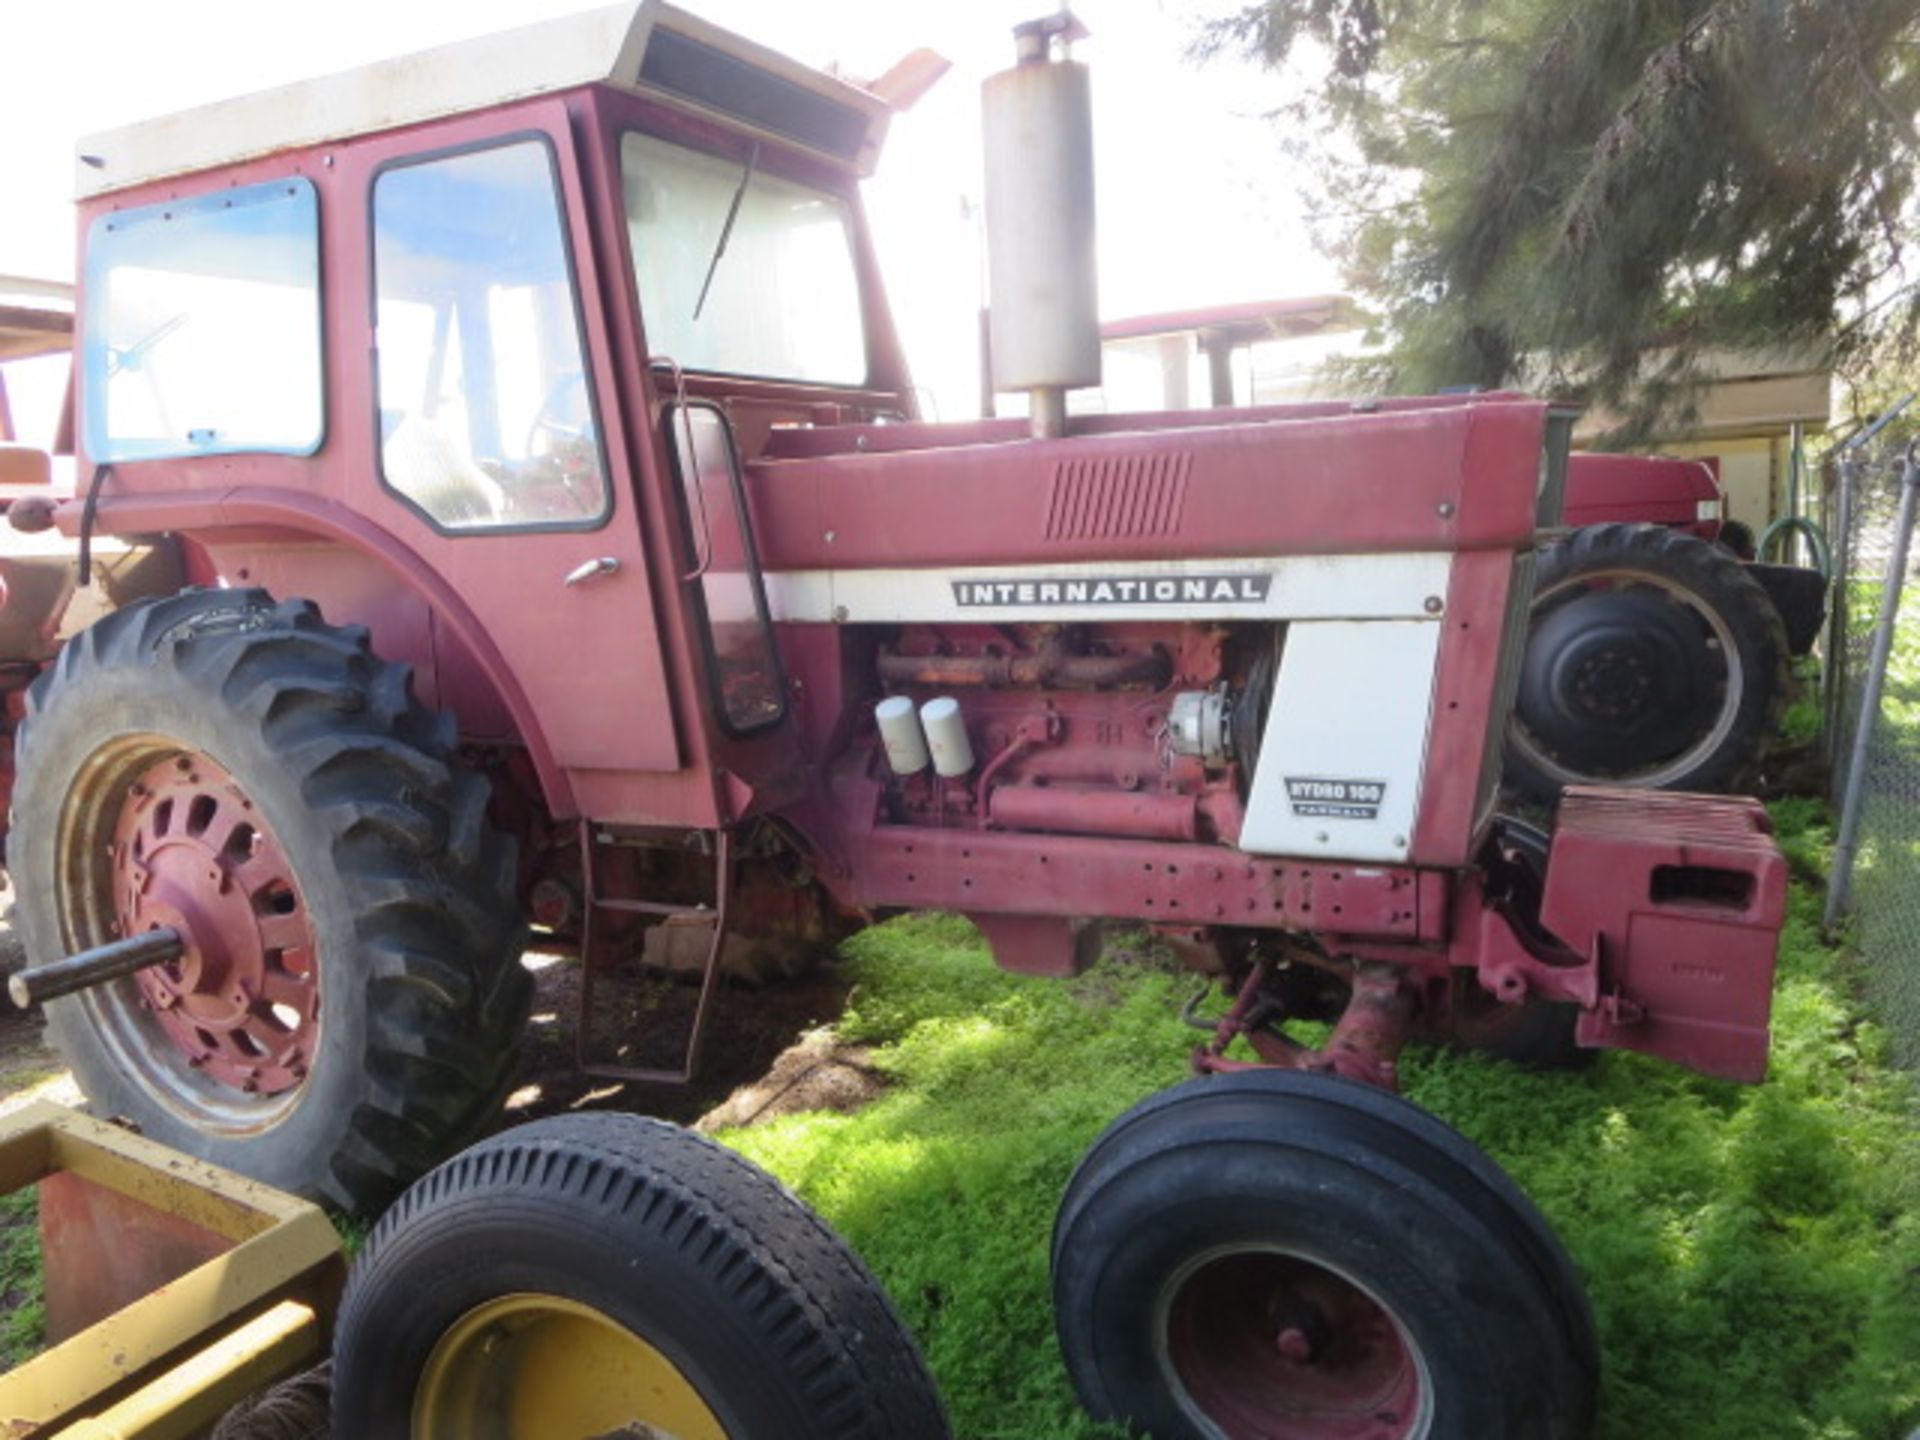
x=133, y=356
x=733, y=213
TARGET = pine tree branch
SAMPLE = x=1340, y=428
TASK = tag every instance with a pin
x=1603, y=189
x=1902, y=124
x=1859, y=324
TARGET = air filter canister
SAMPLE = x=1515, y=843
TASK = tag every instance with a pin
x=947, y=736
x=900, y=732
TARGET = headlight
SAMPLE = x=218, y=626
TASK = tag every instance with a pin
x=1710, y=510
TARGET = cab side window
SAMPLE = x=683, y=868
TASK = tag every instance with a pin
x=486, y=409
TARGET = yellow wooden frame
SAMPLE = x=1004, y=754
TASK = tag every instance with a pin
x=172, y=1362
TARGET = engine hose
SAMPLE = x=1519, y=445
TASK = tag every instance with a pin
x=1815, y=536
x=1051, y=665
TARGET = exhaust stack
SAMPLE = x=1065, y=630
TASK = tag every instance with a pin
x=1045, y=308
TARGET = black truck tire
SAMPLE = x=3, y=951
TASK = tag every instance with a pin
x=731, y=1309
x=366, y=1026
x=1291, y=1256
x=1653, y=659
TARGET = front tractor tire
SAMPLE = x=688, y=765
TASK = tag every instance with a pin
x=1278, y=1255
x=1653, y=660
x=349, y=1006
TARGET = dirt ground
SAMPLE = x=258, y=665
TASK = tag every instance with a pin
x=643, y=1022
x=639, y=1022
x=28, y=1069
x=26, y=1064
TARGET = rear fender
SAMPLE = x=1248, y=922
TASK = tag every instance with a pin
x=358, y=573
x=1800, y=595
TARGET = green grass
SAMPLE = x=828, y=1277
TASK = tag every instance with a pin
x=1804, y=718
x=1753, y=1254
x=23, y=1317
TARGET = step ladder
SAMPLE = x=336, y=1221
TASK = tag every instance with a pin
x=714, y=916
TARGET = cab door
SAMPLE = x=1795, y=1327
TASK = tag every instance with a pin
x=499, y=455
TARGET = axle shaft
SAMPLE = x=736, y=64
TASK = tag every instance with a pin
x=113, y=961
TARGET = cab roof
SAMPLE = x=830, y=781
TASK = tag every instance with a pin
x=644, y=46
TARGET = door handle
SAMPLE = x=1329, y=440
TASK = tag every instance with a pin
x=592, y=570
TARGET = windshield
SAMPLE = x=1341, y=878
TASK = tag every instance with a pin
x=201, y=325
x=782, y=300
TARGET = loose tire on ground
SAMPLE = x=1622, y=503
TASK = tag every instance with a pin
x=633, y=1271
x=384, y=947
x=1297, y=1257
x=1653, y=659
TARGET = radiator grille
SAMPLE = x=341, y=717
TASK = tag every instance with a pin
x=1111, y=497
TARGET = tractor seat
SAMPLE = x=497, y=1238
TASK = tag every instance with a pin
x=427, y=466
x=23, y=470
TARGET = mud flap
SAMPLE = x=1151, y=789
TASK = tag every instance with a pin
x=1680, y=899
x=1800, y=595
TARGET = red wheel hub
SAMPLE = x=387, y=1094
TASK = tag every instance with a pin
x=1270, y=1346
x=190, y=851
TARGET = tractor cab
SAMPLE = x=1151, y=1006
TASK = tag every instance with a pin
x=511, y=315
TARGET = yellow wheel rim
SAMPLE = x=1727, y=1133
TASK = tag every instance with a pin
x=539, y=1367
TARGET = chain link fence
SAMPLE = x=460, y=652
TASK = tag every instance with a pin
x=1863, y=517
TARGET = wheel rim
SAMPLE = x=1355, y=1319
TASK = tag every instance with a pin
x=542, y=1367
x=156, y=834
x=1262, y=1344
x=1642, y=681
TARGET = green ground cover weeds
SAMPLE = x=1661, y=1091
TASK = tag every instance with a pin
x=1753, y=1254
x=21, y=1312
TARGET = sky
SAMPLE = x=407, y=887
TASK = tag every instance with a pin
x=1196, y=203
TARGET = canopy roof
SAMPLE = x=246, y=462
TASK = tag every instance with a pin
x=1245, y=322
x=36, y=318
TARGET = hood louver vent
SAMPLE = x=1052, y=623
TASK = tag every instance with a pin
x=1115, y=497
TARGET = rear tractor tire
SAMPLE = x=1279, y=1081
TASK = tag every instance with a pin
x=349, y=1006
x=608, y=1275
x=1277, y=1255
x=1653, y=660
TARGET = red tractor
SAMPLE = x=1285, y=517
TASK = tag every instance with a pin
x=560, y=544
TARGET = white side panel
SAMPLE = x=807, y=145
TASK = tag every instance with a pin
x=1294, y=587
x=1341, y=762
